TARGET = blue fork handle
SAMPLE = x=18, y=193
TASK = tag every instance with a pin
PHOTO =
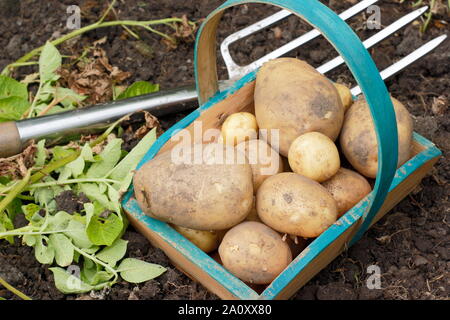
x=358, y=60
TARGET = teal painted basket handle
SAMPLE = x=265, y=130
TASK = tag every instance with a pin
x=358, y=60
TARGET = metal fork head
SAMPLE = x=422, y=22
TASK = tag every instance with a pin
x=236, y=71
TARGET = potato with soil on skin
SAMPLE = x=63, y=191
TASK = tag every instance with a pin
x=293, y=204
x=207, y=241
x=213, y=195
x=315, y=156
x=291, y=96
x=348, y=188
x=264, y=160
x=345, y=94
x=239, y=127
x=359, y=142
x=254, y=253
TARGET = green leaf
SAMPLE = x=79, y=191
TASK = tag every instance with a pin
x=12, y=108
x=69, y=98
x=124, y=170
x=63, y=249
x=30, y=210
x=86, y=153
x=92, y=274
x=111, y=255
x=89, y=210
x=76, y=167
x=137, y=271
x=49, y=61
x=95, y=193
x=59, y=221
x=41, y=155
x=77, y=232
x=30, y=239
x=114, y=198
x=67, y=283
x=109, y=158
x=10, y=87
x=137, y=89
x=43, y=253
x=59, y=153
x=104, y=231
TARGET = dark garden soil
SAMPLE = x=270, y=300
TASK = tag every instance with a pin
x=410, y=245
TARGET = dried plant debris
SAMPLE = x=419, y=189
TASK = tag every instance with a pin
x=16, y=167
x=93, y=75
x=136, y=127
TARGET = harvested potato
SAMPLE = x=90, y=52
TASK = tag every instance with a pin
x=291, y=96
x=265, y=161
x=348, y=188
x=254, y=253
x=215, y=194
x=238, y=127
x=315, y=156
x=293, y=204
x=359, y=142
x=345, y=94
x=207, y=241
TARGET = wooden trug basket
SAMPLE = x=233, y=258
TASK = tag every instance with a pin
x=391, y=185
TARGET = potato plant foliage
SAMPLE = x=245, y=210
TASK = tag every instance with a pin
x=90, y=240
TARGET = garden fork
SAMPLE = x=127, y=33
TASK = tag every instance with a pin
x=15, y=135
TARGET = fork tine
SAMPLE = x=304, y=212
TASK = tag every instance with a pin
x=407, y=60
x=235, y=70
x=376, y=37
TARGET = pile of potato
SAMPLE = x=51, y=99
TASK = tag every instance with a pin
x=291, y=185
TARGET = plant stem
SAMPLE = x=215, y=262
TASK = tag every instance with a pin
x=69, y=181
x=17, y=232
x=54, y=166
x=93, y=258
x=97, y=25
x=14, y=290
x=16, y=190
x=29, y=112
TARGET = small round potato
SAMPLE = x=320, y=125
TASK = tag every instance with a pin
x=345, y=94
x=207, y=241
x=254, y=253
x=292, y=98
x=294, y=204
x=315, y=156
x=239, y=127
x=265, y=161
x=211, y=194
x=348, y=188
x=359, y=142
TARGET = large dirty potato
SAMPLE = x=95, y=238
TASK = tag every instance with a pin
x=254, y=253
x=290, y=95
x=358, y=138
x=265, y=161
x=348, y=188
x=215, y=194
x=294, y=204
